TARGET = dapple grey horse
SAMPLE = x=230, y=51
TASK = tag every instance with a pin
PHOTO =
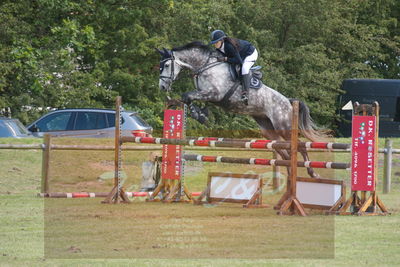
x=271, y=110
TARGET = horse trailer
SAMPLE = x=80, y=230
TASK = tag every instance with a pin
x=366, y=91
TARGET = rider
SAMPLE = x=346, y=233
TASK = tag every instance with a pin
x=236, y=51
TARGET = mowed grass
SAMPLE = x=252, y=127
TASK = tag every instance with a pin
x=84, y=231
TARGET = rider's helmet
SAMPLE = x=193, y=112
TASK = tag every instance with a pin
x=216, y=36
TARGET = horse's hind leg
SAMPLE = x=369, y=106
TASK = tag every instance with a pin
x=310, y=171
x=285, y=133
x=269, y=132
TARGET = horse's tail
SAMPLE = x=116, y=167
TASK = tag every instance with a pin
x=307, y=126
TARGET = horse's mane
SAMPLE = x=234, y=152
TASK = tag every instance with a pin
x=195, y=44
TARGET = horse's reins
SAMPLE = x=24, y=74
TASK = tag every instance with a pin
x=206, y=65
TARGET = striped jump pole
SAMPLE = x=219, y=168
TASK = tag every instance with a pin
x=268, y=162
x=206, y=143
x=255, y=144
x=314, y=145
x=94, y=195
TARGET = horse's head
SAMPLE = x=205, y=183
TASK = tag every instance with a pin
x=169, y=69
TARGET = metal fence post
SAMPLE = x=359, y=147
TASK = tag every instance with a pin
x=387, y=167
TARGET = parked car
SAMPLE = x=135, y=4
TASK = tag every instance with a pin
x=13, y=128
x=86, y=122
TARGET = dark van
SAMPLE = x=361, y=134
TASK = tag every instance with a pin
x=366, y=91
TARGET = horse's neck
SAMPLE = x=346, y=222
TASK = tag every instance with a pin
x=194, y=59
x=197, y=60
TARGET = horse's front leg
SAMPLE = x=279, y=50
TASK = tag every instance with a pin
x=201, y=115
x=188, y=97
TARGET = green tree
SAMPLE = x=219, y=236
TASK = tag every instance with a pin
x=73, y=53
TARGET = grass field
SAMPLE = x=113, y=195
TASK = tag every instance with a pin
x=58, y=232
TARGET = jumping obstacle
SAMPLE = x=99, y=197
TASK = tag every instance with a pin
x=359, y=203
x=289, y=203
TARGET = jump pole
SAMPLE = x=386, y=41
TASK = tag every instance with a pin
x=96, y=194
x=268, y=162
x=249, y=144
x=312, y=145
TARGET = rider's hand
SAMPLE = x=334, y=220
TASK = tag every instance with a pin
x=221, y=59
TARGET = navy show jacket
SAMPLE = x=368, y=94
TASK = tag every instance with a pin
x=234, y=56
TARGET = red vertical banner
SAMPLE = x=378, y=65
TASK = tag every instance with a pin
x=172, y=154
x=363, y=153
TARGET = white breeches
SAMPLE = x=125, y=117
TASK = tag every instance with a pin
x=248, y=62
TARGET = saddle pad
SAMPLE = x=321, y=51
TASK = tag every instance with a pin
x=255, y=83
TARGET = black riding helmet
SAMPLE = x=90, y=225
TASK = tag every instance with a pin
x=216, y=36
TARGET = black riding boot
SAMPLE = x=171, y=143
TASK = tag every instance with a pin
x=245, y=89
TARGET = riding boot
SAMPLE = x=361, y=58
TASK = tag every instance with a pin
x=245, y=88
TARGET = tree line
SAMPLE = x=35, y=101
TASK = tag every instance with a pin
x=83, y=53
